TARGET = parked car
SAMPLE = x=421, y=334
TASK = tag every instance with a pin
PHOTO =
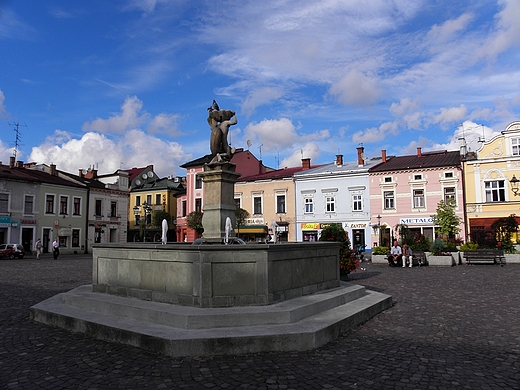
x=12, y=251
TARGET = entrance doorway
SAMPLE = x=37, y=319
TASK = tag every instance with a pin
x=46, y=240
x=27, y=239
x=358, y=239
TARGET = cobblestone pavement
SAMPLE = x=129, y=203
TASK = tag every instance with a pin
x=449, y=328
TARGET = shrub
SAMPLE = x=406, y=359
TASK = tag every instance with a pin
x=420, y=243
x=380, y=250
x=438, y=247
x=469, y=246
x=347, y=257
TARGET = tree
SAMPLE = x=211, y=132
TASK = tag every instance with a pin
x=446, y=219
x=504, y=228
x=158, y=217
x=194, y=221
x=241, y=215
x=347, y=257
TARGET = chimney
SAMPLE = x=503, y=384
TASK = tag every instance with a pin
x=19, y=164
x=419, y=152
x=91, y=174
x=339, y=160
x=80, y=172
x=306, y=163
x=383, y=155
x=53, y=170
x=11, y=161
x=360, y=160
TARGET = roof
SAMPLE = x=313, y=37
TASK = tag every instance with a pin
x=351, y=166
x=33, y=175
x=134, y=172
x=246, y=163
x=277, y=174
x=437, y=159
x=161, y=184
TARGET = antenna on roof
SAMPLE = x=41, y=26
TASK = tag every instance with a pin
x=18, y=138
x=260, y=147
x=483, y=139
x=249, y=143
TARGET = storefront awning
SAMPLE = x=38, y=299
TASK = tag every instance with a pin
x=252, y=229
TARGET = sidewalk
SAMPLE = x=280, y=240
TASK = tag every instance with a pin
x=449, y=328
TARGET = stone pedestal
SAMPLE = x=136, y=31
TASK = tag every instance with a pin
x=219, y=199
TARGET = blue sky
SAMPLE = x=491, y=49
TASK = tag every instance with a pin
x=117, y=84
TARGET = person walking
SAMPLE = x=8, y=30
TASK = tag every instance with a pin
x=38, y=248
x=55, y=249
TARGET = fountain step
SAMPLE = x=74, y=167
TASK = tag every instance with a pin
x=298, y=324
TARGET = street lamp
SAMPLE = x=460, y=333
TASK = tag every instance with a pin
x=379, y=228
x=514, y=185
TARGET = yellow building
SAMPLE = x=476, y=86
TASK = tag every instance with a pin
x=489, y=192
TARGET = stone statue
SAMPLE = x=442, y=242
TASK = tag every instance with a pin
x=219, y=122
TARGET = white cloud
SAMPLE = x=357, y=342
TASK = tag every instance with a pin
x=356, y=89
x=376, y=134
x=309, y=150
x=3, y=111
x=164, y=124
x=134, y=149
x=450, y=115
x=275, y=134
x=120, y=123
x=259, y=97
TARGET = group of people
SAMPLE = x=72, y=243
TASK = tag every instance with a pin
x=400, y=256
x=38, y=247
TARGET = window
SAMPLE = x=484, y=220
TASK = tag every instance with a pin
x=63, y=204
x=113, y=209
x=280, y=204
x=75, y=238
x=158, y=199
x=308, y=202
x=450, y=195
x=77, y=206
x=49, y=204
x=257, y=205
x=198, y=204
x=330, y=203
x=389, y=200
x=138, y=200
x=137, y=219
x=97, y=211
x=417, y=177
x=495, y=191
x=238, y=203
x=198, y=182
x=388, y=179
x=4, y=203
x=448, y=174
x=149, y=200
x=515, y=146
x=28, y=204
x=357, y=202
x=418, y=199
x=183, y=208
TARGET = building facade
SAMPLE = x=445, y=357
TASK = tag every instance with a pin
x=488, y=173
x=406, y=190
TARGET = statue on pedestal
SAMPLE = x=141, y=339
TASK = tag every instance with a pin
x=219, y=122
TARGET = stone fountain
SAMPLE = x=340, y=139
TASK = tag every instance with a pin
x=199, y=300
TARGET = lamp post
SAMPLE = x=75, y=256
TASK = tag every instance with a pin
x=379, y=229
x=142, y=224
x=514, y=185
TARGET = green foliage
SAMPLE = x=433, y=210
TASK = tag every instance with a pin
x=347, y=258
x=469, y=246
x=420, y=243
x=438, y=247
x=158, y=217
x=241, y=215
x=504, y=228
x=194, y=221
x=380, y=250
x=446, y=219
x=402, y=231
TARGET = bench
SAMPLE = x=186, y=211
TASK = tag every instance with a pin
x=495, y=256
x=419, y=258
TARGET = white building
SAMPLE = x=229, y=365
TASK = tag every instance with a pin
x=336, y=193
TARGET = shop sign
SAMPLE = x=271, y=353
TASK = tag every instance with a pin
x=326, y=225
x=5, y=221
x=254, y=221
x=355, y=225
x=14, y=224
x=310, y=226
x=28, y=222
x=416, y=221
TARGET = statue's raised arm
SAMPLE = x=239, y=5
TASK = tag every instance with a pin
x=219, y=122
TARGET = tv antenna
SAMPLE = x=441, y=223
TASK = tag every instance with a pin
x=18, y=138
x=260, y=147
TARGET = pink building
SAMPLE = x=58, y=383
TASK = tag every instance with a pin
x=407, y=189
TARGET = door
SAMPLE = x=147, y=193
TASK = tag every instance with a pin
x=46, y=240
x=27, y=239
x=358, y=239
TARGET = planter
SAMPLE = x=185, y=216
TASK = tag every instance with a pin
x=457, y=258
x=442, y=261
x=379, y=259
x=512, y=258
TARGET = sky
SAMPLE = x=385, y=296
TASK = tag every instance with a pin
x=127, y=83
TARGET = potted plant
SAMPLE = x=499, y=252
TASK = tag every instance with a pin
x=439, y=254
x=380, y=254
x=347, y=257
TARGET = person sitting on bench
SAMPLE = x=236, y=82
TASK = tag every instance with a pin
x=396, y=255
x=407, y=255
